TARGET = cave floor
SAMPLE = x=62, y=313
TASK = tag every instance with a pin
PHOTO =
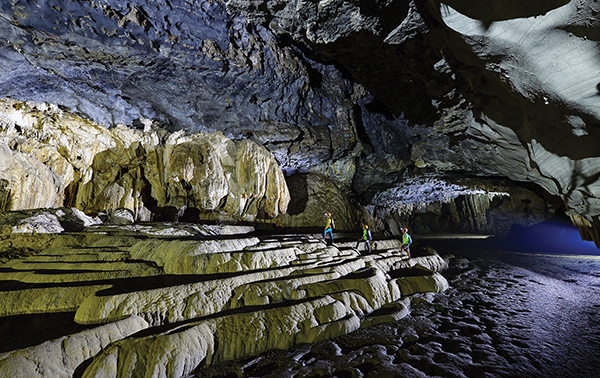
x=192, y=295
x=506, y=314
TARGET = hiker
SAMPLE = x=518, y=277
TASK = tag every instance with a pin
x=366, y=236
x=329, y=226
x=406, y=242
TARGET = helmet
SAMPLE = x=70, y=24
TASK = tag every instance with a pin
x=404, y=229
x=328, y=214
x=365, y=226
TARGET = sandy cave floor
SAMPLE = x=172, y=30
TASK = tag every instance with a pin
x=507, y=314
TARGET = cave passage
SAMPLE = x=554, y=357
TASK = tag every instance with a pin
x=551, y=236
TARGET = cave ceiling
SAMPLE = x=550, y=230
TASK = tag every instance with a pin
x=487, y=88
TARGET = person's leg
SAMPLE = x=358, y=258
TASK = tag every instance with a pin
x=368, y=246
x=330, y=232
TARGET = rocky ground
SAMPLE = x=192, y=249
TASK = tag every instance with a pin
x=506, y=314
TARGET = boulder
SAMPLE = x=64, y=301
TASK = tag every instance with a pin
x=121, y=217
x=44, y=221
x=434, y=283
x=74, y=220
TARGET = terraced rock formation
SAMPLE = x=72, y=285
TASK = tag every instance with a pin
x=166, y=299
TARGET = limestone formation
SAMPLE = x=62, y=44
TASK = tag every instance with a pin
x=359, y=103
x=204, y=293
x=500, y=90
x=429, y=205
x=204, y=119
x=74, y=162
x=312, y=195
x=369, y=95
x=61, y=357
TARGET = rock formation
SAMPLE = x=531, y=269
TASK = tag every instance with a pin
x=183, y=296
x=498, y=88
x=368, y=94
x=430, y=206
x=51, y=158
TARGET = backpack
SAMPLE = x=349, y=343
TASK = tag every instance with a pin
x=332, y=223
x=369, y=235
x=409, y=239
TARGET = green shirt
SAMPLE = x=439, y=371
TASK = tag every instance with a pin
x=406, y=238
x=364, y=237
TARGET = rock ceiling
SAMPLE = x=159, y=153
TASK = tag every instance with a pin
x=363, y=92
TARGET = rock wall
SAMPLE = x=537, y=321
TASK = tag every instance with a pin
x=473, y=88
x=186, y=65
x=589, y=231
x=51, y=158
x=481, y=206
x=312, y=195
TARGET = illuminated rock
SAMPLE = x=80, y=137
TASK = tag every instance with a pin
x=173, y=354
x=432, y=282
x=314, y=194
x=68, y=160
x=212, y=295
x=60, y=357
x=179, y=351
x=336, y=88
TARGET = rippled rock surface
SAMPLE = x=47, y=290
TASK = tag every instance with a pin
x=165, y=299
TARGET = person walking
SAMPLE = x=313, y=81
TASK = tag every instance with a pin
x=366, y=237
x=406, y=242
x=329, y=226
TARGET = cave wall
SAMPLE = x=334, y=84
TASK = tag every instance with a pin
x=427, y=205
x=185, y=65
x=499, y=88
x=367, y=93
x=50, y=158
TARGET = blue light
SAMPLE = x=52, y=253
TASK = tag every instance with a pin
x=550, y=236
